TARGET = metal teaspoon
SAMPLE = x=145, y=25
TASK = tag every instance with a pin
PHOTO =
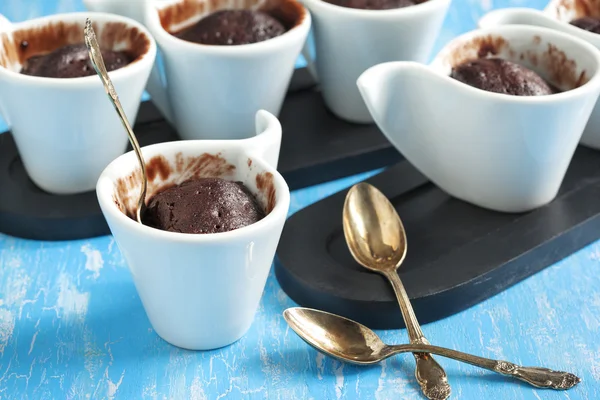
x=98, y=63
x=352, y=342
x=377, y=241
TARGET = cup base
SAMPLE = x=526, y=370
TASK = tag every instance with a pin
x=213, y=345
x=350, y=118
x=591, y=137
x=507, y=206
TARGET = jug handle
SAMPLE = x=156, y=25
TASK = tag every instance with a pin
x=5, y=26
x=267, y=142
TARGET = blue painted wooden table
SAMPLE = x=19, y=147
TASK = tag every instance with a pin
x=73, y=327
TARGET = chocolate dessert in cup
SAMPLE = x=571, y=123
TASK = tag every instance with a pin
x=504, y=140
x=65, y=130
x=215, y=77
x=200, y=290
x=353, y=35
x=580, y=18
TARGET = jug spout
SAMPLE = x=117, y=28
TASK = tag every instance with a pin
x=389, y=89
x=130, y=9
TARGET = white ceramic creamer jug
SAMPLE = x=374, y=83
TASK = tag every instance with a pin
x=502, y=152
x=556, y=15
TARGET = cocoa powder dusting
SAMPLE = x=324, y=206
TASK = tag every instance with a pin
x=158, y=165
x=562, y=71
x=582, y=8
x=569, y=10
x=479, y=47
x=265, y=184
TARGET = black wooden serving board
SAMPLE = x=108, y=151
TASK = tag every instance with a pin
x=316, y=147
x=458, y=254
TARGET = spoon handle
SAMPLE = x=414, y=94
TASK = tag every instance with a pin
x=98, y=63
x=535, y=376
x=431, y=376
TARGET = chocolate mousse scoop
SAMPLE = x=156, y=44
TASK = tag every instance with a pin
x=501, y=76
x=206, y=205
x=590, y=24
x=374, y=4
x=233, y=27
x=71, y=61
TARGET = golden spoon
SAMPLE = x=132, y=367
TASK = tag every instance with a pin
x=98, y=63
x=352, y=342
x=377, y=241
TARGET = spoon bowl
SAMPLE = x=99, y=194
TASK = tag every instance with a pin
x=352, y=342
x=377, y=240
x=336, y=336
x=373, y=229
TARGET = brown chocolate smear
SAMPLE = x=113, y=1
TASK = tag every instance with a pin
x=72, y=61
x=374, y=4
x=589, y=24
x=205, y=205
x=233, y=27
x=42, y=40
x=501, y=76
x=163, y=174
x=265, y=184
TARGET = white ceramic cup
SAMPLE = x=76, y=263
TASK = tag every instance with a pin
x=556, y=15
x=200, y=291
x=65, y=129
x=502, y=152
x=213, y=92
x=348, y=41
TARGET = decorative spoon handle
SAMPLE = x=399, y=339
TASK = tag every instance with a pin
x=98, y=63
x=431, y=376
x=536, y=376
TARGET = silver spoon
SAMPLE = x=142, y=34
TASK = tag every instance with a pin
x=352, y=342
x=98, y=63
x=377, y=241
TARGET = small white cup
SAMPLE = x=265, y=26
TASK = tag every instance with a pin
x=348, y=41
x=200, y=291
x=213, y=92
x=502, y=152
x=65, y=129
x=556, y=15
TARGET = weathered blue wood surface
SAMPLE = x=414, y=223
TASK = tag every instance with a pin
x=73, y=327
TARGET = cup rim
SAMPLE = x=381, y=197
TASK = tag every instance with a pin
x=533, y=30
x=298, y=30
x=545, y=14
x=130, y=69
x=105, y=191
x=382, y=14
